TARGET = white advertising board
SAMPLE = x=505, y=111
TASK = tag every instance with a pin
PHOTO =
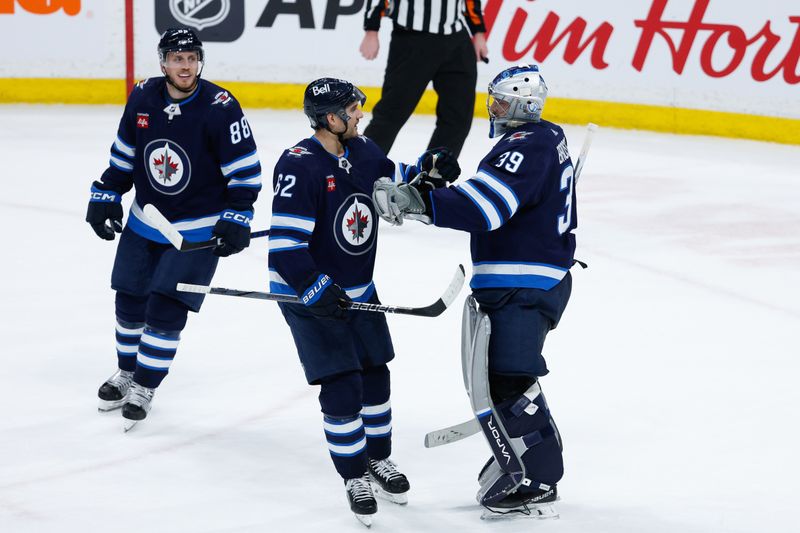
x=723, y=55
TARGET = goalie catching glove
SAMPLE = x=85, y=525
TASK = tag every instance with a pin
x=394, y=201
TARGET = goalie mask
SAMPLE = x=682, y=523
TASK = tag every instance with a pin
x=516, y=96
x=330, y=95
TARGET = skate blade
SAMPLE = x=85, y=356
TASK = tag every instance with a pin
x=105, y=406
x=365, y=519
x=399, y=499
x=128, y=424
x=537, y=511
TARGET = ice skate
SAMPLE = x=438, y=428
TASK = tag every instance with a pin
x=388, y=482
x=114, y=392
x=536, y=504
x=362, y=500
x=137, y=405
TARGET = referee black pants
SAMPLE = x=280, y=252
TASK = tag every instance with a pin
x=415, y=59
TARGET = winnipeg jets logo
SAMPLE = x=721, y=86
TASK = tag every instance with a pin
x=223, y=98
x=200, y=14
x=297, y=151
x=518, y=136
x=354, y=225
x=168, y=166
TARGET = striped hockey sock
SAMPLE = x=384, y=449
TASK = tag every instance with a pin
x=128, y=335
x=347, y=445
x=378, y=429
x=156, y=352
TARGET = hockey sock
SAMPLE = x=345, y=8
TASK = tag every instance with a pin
x=156, y=352
x=376, y=411
x=128, y=335
x=340, y=399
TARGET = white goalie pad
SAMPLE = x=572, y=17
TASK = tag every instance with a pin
x=508, y=471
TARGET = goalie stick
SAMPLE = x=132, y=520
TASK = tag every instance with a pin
x=470, y=427
x=435, y=309
x=174, y=236
x=587, y=142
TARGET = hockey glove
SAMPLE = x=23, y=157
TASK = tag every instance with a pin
x=233, y=227
x=395, y=201
x=441, y=166
x=104, y=213
x=324, y=299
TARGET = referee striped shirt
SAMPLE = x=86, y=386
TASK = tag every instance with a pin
x=442, y=17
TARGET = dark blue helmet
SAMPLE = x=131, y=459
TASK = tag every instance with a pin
x=179, y=40
x=329, y=95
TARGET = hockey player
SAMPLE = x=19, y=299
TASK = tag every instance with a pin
x=322, y=245
x=519, y=208
x=184, y=145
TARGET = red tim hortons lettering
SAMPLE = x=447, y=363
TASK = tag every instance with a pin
x=736, y=39
x=545, y=40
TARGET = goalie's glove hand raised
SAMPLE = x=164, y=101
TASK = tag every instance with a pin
x=324, y=299
x=104, y=213
x=393, y=201
x=233, y=228
x=441, y=166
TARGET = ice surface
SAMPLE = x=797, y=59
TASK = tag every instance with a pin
x=673, y=373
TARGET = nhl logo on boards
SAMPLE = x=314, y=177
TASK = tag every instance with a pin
x=143, y=120
x=331, y=181
x=354, y=225
x=213, y=20
x=167, y=165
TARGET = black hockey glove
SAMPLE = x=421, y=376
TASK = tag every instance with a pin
x=233, y=227
x=104, y=213
x=324, y=299
x=441, y=166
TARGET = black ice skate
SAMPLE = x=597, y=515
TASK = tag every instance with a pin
x=388, y=482
x=362, y=500
x=137, y=405
x=536, y=503
x=114, y=392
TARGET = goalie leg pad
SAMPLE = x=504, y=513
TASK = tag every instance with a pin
x=508, y=472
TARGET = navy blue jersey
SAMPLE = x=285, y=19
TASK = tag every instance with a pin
x=323, y=219
x=191, y=159
x=519, y=208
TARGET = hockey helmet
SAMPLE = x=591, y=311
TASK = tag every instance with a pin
x=515, y=96
x=330, y=95
x=179, y=40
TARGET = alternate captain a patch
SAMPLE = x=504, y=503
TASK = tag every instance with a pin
x=167, y=165
x=354, y=225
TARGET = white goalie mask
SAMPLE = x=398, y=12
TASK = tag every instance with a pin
x=516, y=96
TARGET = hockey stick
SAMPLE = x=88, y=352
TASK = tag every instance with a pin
x=174, y=236
x=587, y=142
x=452, y=434
x=435, y=309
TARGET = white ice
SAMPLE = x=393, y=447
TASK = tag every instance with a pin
x=674, y=373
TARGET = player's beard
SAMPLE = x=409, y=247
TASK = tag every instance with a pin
x=184, y=86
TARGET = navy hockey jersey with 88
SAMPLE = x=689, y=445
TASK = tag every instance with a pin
x=191, y=163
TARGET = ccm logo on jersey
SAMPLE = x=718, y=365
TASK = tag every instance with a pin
x=236, y=217
x=321, y=90
x=316, y=289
